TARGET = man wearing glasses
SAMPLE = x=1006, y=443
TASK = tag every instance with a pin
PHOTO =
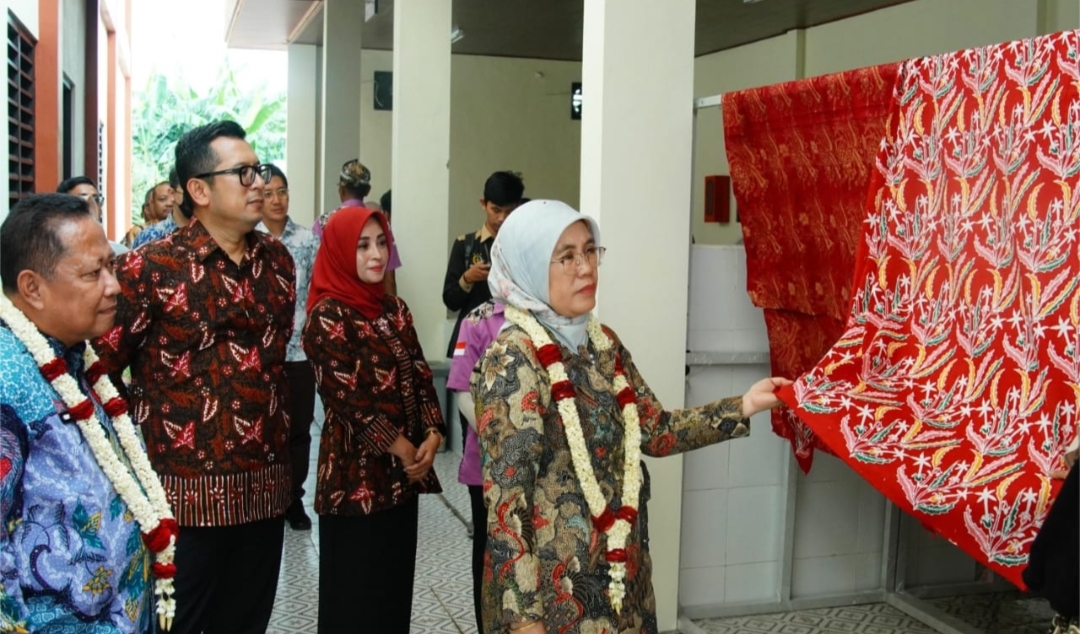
x=302, y=245
x=84, y=187
x=204, y=318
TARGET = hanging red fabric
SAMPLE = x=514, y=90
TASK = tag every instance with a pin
x=955, y=386
x=801, y=156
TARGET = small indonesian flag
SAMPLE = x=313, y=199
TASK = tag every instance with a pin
x=459, y=349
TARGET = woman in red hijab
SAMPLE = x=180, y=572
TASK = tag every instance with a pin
x=383, y=427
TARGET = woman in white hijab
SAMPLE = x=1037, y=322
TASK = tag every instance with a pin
x=564, y=417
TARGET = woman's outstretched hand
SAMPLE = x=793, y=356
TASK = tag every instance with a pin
x=762, y=396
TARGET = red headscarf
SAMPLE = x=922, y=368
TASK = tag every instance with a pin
x=334, y=274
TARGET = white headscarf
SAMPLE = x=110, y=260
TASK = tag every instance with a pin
x=521, y=262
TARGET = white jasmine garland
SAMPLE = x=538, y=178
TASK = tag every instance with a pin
x=147, y=502
x=618, y=531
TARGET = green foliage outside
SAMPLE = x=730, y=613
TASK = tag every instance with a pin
x=167, y=107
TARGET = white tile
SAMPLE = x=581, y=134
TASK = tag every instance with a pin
x=828, y=468
x=701, y=586
x=752, y=582
x=826, y=519
x=708, y=383
x=704, y=527
x=757, y=460
x=871, y=519
x=754, y=524
x=706, y=468
x=820, y=576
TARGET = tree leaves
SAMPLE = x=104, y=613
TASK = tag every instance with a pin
x=169, y=106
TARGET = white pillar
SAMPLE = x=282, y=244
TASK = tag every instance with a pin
x=303, y=134
x=342, y=21
x=420, y=161
x=636, y=137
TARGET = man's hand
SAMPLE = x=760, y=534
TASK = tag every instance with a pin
x=477, y=273
x=404, y=450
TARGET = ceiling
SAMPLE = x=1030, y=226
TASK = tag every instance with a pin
x=542, y=29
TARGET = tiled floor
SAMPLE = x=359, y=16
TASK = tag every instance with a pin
x=442, y=598
x=875, y=618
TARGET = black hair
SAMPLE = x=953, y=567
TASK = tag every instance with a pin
x=69, y=184
x=504, y=188
x=174, y=178
x=276, y=171
x=29, y=237
x=149, y=195
x=359, y=192
x=195, y=156
x=384, y=202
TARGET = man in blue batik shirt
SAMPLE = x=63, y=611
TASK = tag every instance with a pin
x=302, y=244
x=72, y=560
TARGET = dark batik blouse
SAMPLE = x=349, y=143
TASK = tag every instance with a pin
x=374, y=384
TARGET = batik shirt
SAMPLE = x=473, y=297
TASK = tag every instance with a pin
x=72, y=560
x=374, y=385
x=155, y=231
x=302, y=245
x=205, y=339
x=544, y=559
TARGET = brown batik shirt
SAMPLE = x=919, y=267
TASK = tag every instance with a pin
x=205, y=339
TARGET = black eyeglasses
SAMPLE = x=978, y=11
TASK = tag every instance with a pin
x=245, y=172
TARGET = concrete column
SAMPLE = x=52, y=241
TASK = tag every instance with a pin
x=303, y=134
x=342, y=21
x=636, y=138
x=420, y=161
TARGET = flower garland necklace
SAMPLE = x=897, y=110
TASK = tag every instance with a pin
x=616, y=525
x=147, y=503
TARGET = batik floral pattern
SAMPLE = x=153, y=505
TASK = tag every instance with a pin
x=955, y=387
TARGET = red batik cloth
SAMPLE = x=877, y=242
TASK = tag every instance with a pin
x=955, y=386
x=801, y=155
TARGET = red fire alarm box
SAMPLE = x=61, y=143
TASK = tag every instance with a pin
x=718, y=199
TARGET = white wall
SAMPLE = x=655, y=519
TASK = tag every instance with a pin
x=913, y=29
x=73, y=65
x=502, y=116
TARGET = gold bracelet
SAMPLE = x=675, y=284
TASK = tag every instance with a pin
x=523, y=625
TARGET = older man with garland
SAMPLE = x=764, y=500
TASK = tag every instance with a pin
x=82, y=511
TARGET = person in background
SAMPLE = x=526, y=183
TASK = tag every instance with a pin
x=141, y=221
x=391, y=274
x=354, y=184
x=479, y=328
x=71, y=557
x=465, y=286
x=383, y=427
x=84, y=187
x=163, y=204
x=564, y=418
x=177, y=190
x=1053, y=570
x=203, y=320
x=302, y=245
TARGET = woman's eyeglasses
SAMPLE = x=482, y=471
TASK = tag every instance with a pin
x=572, y=262
x=246, y=173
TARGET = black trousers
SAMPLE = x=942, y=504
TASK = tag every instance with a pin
x=226, y=577
x=301, y=402
x=1053, y=570
x=479, y=544
x=366, y=568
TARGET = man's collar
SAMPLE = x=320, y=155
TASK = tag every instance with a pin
x=200, y=241
x=484, y=233
x=290, y=227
